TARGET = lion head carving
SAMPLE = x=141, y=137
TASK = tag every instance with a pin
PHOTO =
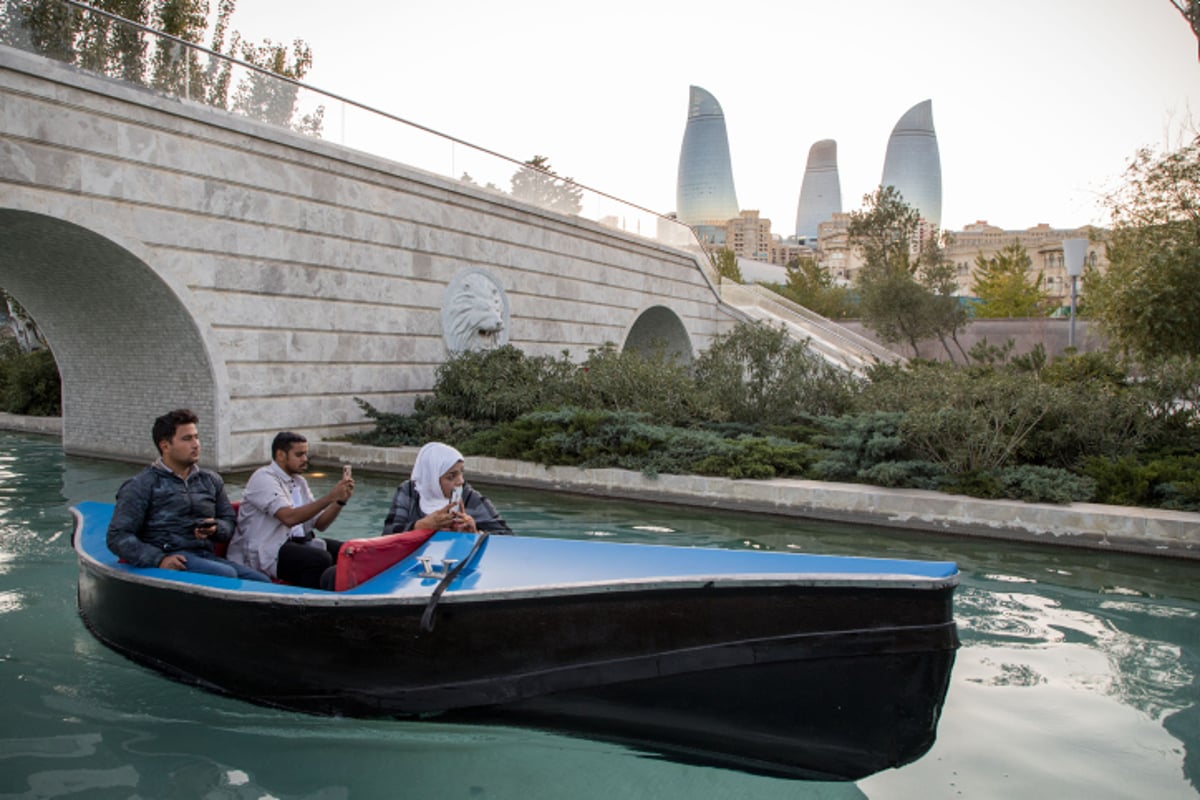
x=475, y=312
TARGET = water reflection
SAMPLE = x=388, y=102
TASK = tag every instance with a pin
x=1077, y=676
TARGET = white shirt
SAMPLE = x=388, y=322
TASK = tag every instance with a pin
x=259, y=533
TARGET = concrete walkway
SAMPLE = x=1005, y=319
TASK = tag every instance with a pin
x=1101, y=527
x=50, y=426
x=1113, y=528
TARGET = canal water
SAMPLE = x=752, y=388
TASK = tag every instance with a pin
x=1077, y=676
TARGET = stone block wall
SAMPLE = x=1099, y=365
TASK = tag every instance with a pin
x=178, y=255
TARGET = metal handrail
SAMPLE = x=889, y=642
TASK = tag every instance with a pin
x=369, y=109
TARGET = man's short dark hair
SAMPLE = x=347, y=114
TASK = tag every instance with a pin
x=166, y=425
x=283, y=442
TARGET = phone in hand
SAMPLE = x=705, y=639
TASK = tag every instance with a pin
x=456, y=497
x=346, y=472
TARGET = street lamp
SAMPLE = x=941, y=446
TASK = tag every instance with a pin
x=1074, y=252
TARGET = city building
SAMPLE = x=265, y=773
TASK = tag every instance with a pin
x=913, y=164
x=704, y=193
x=749, y=236
x=1042, y=243
x=820, y=191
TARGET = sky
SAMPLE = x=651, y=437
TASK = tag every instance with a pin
x=1038, y=104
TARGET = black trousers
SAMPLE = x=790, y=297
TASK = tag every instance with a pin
x=308, y=564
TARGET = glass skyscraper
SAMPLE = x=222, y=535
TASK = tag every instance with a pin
x=913, y=164
x=704, y=193
x=820, y=192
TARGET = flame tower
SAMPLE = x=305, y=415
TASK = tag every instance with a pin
x=913, y=164
x=820, y=192
x=704, y=193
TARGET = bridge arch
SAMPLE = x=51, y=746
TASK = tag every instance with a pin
x=659, y=326
x=126, y=341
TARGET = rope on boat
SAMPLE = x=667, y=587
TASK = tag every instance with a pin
x=431, y=607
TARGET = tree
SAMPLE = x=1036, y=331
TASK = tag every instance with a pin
x=947, y=313
x=814, y=288
x=114, y=48
x=725, y=262
x=110, y=47
x=265, y=97
x=175, y=67
x=47, y=27
x=537, y=183
x=1190, y=9
x=24, y=330
x=906, y=285
x=1148, y=300
x=1006, y=288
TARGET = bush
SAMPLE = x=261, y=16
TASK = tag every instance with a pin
x=655, y=384
x=760, y=375
x=494, y=385
x=29, y=382
x=1029, y=483
x=1034, y=484
x=1170, y=481
x=1093, y=417
x=591, y=438
x=904, y=474
x=853, y=445
x=759, y=405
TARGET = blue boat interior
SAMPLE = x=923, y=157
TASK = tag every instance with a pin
x=506, y=563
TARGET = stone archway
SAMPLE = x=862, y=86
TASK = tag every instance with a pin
x=127, y=346
x=659, y=327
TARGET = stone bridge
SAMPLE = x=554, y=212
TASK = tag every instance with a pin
x=177, y=255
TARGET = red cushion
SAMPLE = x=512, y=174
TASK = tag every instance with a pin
x=362, y=559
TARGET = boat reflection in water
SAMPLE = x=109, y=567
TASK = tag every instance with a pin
x=783, y=664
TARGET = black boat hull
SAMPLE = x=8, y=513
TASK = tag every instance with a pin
x=801, y=681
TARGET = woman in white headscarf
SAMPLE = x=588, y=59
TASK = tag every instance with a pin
x=438, y=497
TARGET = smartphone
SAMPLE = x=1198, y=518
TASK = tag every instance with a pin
x=346, y=471
x=456, y=497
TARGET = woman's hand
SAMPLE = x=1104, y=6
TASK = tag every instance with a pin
x=464, y=522
x=450, y=518
x=443, y=519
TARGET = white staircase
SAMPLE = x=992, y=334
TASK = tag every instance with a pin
x=837, y=344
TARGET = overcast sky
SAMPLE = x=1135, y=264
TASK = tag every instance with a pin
x=1038, y=104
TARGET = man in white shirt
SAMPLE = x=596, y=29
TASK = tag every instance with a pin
x=278, y=515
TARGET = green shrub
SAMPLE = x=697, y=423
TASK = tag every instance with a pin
x=963, y=419
x=390, y=429
x=1035, y=484
x=759, y=405
x=1169, y=481
x=854, y=444
x=494, y=385
x=1029, y=483
x=754, y=458
x=591, y=438
x=653, y=383
x=758, y=374
x=904, y=474
x=29, y=382
x=1093, y=417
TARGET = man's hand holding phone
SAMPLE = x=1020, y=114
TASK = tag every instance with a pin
x=345, y=487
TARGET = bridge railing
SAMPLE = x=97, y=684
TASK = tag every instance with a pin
x=103, y=43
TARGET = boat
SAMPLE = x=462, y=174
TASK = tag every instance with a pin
x=782, y=664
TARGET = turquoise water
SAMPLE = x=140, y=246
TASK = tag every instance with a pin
x=1078, y=675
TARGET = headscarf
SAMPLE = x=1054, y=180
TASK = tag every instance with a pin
x=433, y=461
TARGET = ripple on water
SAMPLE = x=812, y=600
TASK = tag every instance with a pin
x=11, y=601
